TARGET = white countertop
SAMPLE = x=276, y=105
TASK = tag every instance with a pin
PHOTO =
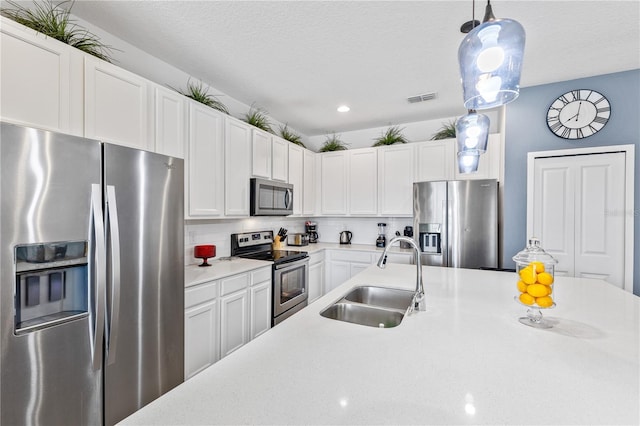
x=194, y=274
x=224, y=267
x=466, y=360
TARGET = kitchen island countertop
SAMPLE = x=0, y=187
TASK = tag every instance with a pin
x=465, y=360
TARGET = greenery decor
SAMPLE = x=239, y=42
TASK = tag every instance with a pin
x=447, y=131
x=54, y=21
x=198, y=92
x=333, y=143
x=257, y=117
x=391, y=136
x=290, y=135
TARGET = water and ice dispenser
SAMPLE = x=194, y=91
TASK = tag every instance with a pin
x=51, y=284
x=430, y=236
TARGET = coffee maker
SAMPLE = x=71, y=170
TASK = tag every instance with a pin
x=311, y=230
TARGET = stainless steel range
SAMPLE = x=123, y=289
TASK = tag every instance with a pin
x=290, y=271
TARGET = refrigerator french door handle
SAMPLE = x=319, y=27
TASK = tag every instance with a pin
x=446, y=233
x=100, y=273
x=114, y=233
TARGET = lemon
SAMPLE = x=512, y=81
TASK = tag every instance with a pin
x=537, y=266
x=527, y=299
x=528, y=275
x=522, y=286
x=545, y=278
x=538, y=290
x=544, y=302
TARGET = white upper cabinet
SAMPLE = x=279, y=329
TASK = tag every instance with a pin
x=363, y=181
x=261, y=154
x=237, y=167
x=170, y=119
x=435, y=160
x=36, y=79
x=395, y=180
x=269, y=156
x=204, y=196
x=115, y=105
x=438, y=160
x=309, y=182
x=296, y=176
x=333, y=182
x=279, y=159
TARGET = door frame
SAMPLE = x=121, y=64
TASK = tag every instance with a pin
x=629, y=151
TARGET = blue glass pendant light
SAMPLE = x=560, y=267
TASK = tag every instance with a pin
x=490, y=59
x=468, y=161
x=472, y=132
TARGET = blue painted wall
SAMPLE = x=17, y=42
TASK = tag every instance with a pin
x=526, y=130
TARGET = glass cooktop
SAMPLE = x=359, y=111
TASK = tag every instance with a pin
x=277, y=256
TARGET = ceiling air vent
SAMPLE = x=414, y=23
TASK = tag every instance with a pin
x=422, y=98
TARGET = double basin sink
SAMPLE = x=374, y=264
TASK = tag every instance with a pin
x=373, y=306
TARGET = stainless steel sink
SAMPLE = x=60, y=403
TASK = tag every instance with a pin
x=385, y=297
x=363, y=314
x=372, y=306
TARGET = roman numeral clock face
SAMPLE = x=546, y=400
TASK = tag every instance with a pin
x=578, y=114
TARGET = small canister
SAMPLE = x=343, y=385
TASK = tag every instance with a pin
x=535, y=268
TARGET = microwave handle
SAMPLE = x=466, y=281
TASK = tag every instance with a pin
x=288, y=196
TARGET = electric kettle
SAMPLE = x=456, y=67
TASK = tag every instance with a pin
x=345, y=237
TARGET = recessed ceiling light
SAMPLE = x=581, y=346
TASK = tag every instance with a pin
x=343, y=108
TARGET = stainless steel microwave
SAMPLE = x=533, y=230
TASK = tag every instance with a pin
x=271, y=198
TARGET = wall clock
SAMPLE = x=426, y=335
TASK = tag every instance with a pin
x=578, y=114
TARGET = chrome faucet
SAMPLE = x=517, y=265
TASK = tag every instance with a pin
x=418, y=303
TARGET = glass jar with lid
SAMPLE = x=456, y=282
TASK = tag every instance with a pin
x=535, y=269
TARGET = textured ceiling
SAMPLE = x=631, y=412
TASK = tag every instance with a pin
x=299, y=60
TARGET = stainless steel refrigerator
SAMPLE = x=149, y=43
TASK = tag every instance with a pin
x=91, y=270
x=456, y=222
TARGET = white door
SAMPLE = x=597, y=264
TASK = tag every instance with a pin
x=578, y=214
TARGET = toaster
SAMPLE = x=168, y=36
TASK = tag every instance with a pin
x=297, y=239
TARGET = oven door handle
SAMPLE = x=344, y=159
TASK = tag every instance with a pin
x=291, y=265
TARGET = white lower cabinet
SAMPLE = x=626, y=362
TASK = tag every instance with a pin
x=260, y=302
x=201, y=328
x=346, y=264
x=233, y=322
x=222, y=315
x=316, y=275
x=343, y=265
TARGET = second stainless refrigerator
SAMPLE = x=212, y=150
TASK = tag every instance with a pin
x=456, y=222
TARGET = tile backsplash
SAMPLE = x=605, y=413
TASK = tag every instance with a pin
x=364, y=229
x=217, y=232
